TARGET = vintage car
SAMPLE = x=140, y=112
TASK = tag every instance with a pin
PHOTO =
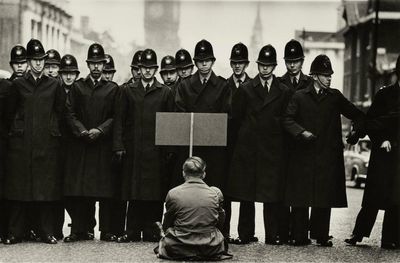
x=356, y=159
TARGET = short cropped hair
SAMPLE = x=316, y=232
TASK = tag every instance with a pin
x=194, y=166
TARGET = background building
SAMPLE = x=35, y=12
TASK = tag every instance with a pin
x=21, y=20
x=358, y=33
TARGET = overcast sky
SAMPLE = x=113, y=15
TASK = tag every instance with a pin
x=222, y=22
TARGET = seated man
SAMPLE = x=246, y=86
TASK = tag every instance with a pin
x=193, y=218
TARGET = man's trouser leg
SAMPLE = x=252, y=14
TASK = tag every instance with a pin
x=365, y=221
x=319, y=223
x=300, y=225
x=246, y=224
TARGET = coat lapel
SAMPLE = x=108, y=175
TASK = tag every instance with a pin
x=258, y=88
x=274, y=92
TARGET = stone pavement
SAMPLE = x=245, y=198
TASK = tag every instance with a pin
x=341, y=226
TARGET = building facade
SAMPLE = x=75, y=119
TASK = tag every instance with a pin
x=359, y=39
x=21, y=20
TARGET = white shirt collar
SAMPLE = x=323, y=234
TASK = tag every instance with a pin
x=297, y=78
x=236, y=80
x=93, y=79
x=207, y=77
x=147, y=83
x=268, y=82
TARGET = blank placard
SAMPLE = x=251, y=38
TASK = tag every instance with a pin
x=209, y=129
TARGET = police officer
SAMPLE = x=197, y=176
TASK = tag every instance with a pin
x=18, y=62
x=89, y=176
x=383, y=171
x=205, y=92
x=315, y=167
x=239, y=61
x=294, y=59
x=184, y=63
x=295, y=80
x=168, y=72
x=118, y=210
x=33, y=177
x=135, y=67
x=52, y=63
x=109, y=69
x=257, y=172
x=68, y=73
x=144, y=174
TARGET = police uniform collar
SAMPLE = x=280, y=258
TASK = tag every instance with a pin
x=243, y=78
x=211, y=77
x=144, y=84
x=268, y=81
x=30, y=75
x=93, y=79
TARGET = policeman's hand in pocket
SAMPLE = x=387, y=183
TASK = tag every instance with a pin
x=308, y=136
x=386, y=146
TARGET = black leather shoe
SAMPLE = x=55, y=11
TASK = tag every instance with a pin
x=108, y=237
x=325, y=243
x=389, y=245
x=31, y=236
x=71, y=238
x=86, y=236
x=353, y=240
x=49, y=240
x=297, y=243
x=128, y=238
x=239, y=241
x=276, y=241
x=11, y=240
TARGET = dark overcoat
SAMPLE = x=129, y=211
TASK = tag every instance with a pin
x=258, y=164
x=144, y=173
x=233, y=127
x=304, y=81
x=34, y=109
x=382, y=184
x=88, y=170
x=316, y=175
x=4, y=92
x=214, y=97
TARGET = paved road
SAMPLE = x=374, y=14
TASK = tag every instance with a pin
x=341, y=226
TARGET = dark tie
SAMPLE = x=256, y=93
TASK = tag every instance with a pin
x=295, y=82
x=204, y=82
x=320, y=93
x=239, y=82
x=266, y=91
x=147, y=87
x=96, y=82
